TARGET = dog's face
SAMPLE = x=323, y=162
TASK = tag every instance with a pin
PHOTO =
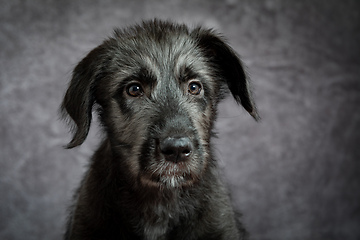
x=157, y=87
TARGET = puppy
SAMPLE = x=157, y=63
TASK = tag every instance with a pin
x=156, y=87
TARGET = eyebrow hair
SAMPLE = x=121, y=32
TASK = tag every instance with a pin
x=144, y=75
x=188, y=73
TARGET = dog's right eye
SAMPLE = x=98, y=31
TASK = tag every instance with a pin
x=134, y=90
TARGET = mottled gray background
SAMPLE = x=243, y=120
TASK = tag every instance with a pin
x=294, y=175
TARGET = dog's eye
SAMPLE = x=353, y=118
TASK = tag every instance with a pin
x=194, y=88
x=134, y=90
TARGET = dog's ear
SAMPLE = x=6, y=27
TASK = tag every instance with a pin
x=79, y=98
x=230, y=67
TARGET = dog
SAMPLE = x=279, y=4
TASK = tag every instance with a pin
x=155, y=86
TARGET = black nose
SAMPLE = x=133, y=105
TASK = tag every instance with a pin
x=176, y=149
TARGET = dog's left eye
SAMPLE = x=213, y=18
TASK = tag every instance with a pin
x=134, y=90
x=194, y=88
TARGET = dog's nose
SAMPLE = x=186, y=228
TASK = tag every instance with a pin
x=176, y=149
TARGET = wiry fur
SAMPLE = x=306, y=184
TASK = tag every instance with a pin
x=131, y=189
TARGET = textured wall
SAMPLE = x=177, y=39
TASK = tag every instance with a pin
x=294, y=175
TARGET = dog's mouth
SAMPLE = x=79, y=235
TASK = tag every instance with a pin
x=169, y=174
x=172, y=162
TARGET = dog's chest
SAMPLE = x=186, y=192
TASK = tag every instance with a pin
x=160, y=220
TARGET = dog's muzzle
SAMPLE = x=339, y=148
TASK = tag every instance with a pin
x=174, y=163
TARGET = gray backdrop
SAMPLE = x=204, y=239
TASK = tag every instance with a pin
x=294, y=175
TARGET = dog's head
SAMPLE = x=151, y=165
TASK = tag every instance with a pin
x=157, y=86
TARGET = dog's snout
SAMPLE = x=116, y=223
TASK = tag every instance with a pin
x=176, y=149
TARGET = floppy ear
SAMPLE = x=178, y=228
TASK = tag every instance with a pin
x=79, y=98
x=230, y=67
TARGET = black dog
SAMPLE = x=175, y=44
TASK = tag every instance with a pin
x=156, y=87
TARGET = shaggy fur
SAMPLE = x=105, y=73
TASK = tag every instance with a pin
x=156, y=87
